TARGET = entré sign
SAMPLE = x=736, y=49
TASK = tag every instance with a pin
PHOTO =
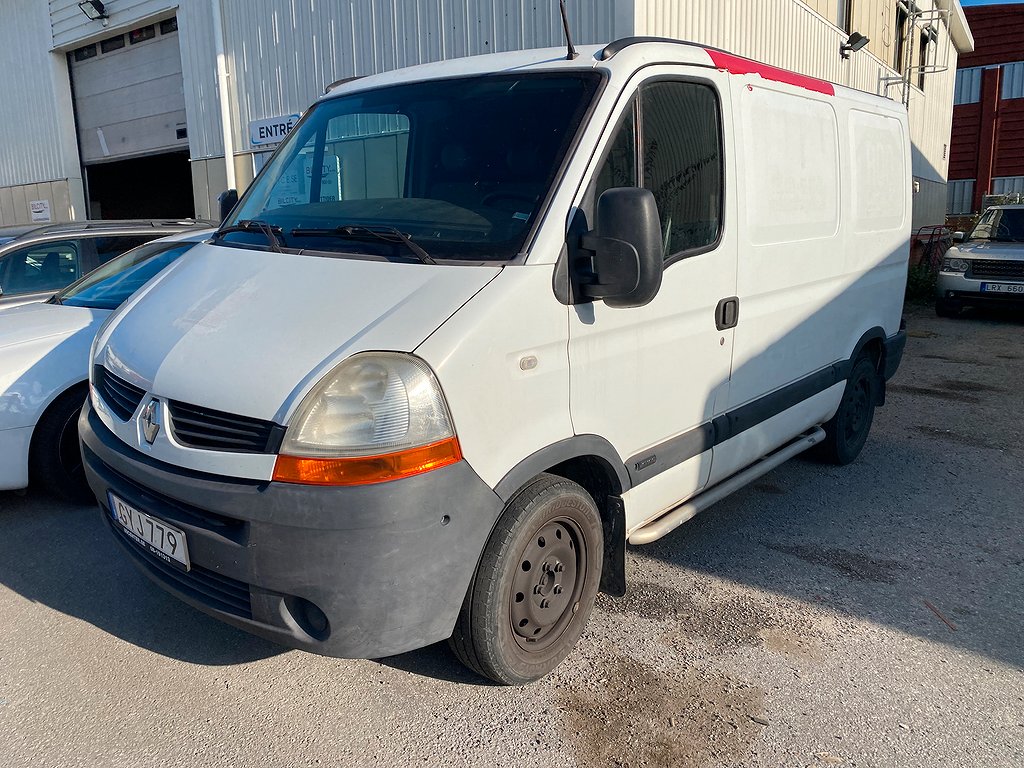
x=272, y=130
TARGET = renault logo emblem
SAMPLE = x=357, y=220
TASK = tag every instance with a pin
x=150, y=419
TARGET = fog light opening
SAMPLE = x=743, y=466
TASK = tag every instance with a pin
x=310, y=619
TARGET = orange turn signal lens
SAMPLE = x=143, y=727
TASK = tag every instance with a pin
x=364, y=470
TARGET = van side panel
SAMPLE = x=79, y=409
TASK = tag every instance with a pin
x=823, y=246
x=504, y=368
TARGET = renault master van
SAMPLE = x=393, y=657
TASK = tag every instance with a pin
x=479, y=323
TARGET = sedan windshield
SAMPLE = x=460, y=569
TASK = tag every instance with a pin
x=1004, y=225
x=458, y=168
x=110, y=285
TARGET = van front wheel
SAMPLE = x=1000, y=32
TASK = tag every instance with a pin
x=847, y=431
x=535, y=585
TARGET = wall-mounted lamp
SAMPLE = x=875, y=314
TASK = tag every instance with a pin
x=94, y=10
x=853, y=43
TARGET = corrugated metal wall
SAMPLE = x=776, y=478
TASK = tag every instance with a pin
x=71, y=27
x=28, y=106
x=789, y=34
x=282, y=54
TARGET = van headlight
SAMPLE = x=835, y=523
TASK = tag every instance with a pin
x=955, y=265
x=378, y=416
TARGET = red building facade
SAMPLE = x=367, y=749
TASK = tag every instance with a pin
x=987, y=144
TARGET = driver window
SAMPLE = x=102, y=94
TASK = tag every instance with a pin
x=681, y=161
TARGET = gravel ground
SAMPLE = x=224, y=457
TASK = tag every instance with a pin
x=802, y=622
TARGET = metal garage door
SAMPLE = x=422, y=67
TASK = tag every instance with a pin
x=129, y=99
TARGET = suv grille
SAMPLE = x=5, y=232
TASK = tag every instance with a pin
x=218, y=431
x=992, y=268
x=121, y=397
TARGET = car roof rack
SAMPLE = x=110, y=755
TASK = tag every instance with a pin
x=101, y=224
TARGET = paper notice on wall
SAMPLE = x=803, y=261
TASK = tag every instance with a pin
x=40, y=210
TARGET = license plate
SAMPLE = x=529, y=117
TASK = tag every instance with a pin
x=161, y=540
x=1003, y=288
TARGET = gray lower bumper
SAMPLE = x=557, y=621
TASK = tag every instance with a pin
x=387, y=565
x=955, y=286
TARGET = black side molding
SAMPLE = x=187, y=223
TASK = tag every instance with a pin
x=694, y=442
x=563, y=450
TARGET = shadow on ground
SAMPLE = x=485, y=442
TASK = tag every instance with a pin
x=929, y=515
x=60, y=555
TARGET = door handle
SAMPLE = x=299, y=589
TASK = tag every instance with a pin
x=727, y=313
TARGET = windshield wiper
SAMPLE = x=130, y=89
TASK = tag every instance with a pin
x=271, y=232
x=363, y=231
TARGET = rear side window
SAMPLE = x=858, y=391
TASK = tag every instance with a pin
x=109, y=247
x=40, y=267
x=680, y=161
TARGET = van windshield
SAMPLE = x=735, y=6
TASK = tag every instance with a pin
x=457, y=169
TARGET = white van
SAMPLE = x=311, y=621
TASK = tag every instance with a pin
x=480, y=322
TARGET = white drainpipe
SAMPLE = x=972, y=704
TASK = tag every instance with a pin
x=222, y=87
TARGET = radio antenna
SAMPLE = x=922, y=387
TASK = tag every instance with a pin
x=571, y=54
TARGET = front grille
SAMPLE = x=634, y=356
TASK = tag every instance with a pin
x=997, y=269
x=228, y=527
x=212, y=589
x=212, y=430
x=121, y=397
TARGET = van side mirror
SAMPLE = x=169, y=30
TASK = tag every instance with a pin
x=959, y=237
x=626, y=266
x=227, y=200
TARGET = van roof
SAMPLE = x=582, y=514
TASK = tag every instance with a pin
x=624, y=55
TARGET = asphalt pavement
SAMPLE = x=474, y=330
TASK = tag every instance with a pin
x=868, y=615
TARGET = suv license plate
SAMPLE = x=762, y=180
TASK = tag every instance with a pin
x=1003, y=288
x=161, y=540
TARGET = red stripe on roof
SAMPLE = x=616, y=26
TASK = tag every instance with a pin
x=737, y=65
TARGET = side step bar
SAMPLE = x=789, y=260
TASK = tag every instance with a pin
x=672, y=519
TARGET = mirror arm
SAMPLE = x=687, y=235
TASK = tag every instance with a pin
x=607, y=253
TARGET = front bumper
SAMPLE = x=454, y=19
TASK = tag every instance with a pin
x=955, y=286
x=386, y=565
x=14, y=445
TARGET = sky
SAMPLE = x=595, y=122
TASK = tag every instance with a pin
x=967, y=3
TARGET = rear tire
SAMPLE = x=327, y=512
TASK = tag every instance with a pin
x=847, y=431
x=534, y=588
x=947, y=308
x=55, y=457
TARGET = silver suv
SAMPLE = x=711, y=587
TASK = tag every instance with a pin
x=985, y=266
x=37, y=261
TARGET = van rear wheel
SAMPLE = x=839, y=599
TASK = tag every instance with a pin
x=534, y=588
x=847, y=431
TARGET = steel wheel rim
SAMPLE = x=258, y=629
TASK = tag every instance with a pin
x=548, y=583
x=857, y=409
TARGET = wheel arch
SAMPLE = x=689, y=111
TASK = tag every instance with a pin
x=55, y=397
x=593, y=463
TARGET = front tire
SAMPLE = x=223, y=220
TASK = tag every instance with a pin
x=55, y=458
x=847, y=431
x=534, y=588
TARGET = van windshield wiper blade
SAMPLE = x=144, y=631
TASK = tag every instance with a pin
x=272, y=232
x=362, y=231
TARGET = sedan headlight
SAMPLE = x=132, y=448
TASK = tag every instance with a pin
x=378, y=416
x=955, y=265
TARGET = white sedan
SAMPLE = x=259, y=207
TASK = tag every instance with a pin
x=44, y=353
